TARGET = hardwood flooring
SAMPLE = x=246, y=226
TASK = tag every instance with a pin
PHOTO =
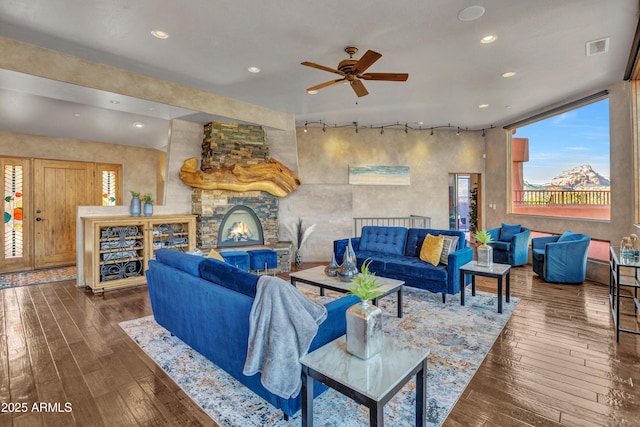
x=555, y=363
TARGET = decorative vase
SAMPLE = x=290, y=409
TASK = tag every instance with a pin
x=485, y=255
x=364, y=330
x=348, y=269
x=331, y=270
x=134, y=209
x=147, y=209
x=298, y=259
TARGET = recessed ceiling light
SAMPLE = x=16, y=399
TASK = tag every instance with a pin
x=312, y=92
x=253, y=69
x=160, y=34
x=483, y=105
x=488, y=39
x=113, y=101
x=138, y=125
x=508, y=74
x=76, y=115
x=471, y=13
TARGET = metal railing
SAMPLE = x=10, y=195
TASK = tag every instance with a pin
x=412, y=221
x=562, y=197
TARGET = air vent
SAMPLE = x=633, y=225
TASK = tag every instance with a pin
x=596, y=47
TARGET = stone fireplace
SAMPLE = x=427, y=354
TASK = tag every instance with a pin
x=254, y=213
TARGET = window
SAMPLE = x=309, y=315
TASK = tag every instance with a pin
x=109, y=178
x=560, y=162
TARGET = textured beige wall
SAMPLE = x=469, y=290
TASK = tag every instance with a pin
x=327, y=199
x=622, y=188
x=139, y=165
x=37, y=61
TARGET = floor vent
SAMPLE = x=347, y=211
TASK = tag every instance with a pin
x=596, y=47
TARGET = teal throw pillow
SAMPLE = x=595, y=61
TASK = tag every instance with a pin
x=507, y=231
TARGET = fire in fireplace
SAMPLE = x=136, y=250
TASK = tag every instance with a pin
x=240, y=227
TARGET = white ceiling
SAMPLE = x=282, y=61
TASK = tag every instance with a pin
x=212, y=43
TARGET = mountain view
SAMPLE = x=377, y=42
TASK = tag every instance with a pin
x=579, y=178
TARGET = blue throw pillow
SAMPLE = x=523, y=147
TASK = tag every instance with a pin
x=568, y=236
x=507, y=231
x=228, y=276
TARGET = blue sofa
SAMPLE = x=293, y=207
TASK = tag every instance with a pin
x=395, y=253
x=510, y=244
x=561, y=258
x=206, y=303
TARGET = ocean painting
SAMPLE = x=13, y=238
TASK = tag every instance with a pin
x=379, y=175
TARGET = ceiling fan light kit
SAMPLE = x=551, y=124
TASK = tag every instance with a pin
x=353, y=72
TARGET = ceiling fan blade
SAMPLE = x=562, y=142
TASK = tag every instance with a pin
x=366, y=61
x=358, y=88
x=322, y=67
x=394, y=77
x=325, y=84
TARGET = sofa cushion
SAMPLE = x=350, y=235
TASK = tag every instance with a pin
x=431, y=249
x=415, y=237
x=389, y=240
x=180, y=260
x=538, y=254
x=507, y=231
x=228, y=276
x=415, y=268
x=450, y=244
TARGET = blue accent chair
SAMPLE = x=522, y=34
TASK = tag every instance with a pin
x=510, y=244
x=561, y=259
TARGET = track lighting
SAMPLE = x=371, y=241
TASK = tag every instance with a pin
x=405, y=127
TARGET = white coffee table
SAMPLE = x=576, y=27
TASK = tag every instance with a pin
x=316, y=277
x=371, y=382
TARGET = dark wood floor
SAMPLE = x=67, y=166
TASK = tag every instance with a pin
x=556, y=362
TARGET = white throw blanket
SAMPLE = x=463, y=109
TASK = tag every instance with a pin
x=282, y=324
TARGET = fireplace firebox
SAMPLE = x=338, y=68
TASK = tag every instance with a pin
x=240, y=227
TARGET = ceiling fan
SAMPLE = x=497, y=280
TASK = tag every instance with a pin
x=353, y=70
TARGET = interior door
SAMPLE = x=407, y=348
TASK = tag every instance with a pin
x=58, y=187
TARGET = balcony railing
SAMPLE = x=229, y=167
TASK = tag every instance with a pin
x=412, y=221
x=561, y=197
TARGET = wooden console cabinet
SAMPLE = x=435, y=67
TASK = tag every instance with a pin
x=117, y=249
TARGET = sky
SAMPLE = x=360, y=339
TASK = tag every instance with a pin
x=571, y=139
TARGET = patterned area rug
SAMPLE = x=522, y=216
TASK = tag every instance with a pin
x=459, y=339
x=27, y=278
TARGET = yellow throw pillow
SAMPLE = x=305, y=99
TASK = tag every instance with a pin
x=214, y=254
x=432, y=249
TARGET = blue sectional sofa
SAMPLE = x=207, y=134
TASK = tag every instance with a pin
x=395, y=253
x=206, y=303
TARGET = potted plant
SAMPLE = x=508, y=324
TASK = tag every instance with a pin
x=364, y=320
x=147, y=209
x=134, y=208
x=299, y=234
x=485, y=252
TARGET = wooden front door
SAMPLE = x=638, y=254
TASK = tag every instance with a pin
x=58, y=187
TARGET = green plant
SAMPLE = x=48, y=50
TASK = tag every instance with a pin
x=147, y=198
x=135, y=194
x=483, y=237
x=366, y=287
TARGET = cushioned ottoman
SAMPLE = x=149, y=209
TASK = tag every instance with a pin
x=262, y=259
x=239, y=259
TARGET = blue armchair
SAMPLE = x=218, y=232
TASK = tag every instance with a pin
x=561, y=259
x=510, y=244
